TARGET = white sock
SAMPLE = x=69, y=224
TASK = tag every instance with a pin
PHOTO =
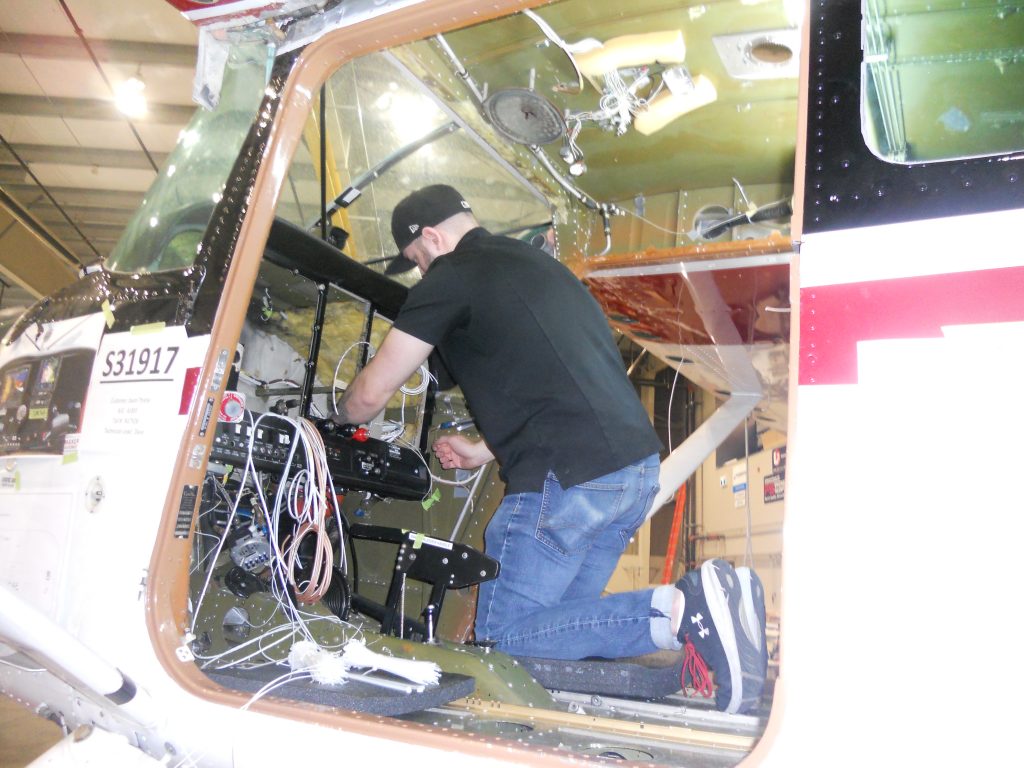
x=678, y=607
x=667, y=604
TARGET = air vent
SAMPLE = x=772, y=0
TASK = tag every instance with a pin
x=763, y=55
x=708, y=216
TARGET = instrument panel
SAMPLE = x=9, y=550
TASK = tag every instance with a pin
x=41, y=401
x=356, y=461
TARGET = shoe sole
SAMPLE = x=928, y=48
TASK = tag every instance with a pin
x=753, y=650
x=746, y=577
x=718, y=605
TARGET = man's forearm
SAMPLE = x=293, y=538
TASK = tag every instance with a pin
x=483, y=453
x=358, y=406
x=398, y=358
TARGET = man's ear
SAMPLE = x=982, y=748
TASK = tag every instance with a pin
x=432, y=234
x=435, y=237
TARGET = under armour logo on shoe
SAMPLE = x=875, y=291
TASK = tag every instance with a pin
x=698, y=620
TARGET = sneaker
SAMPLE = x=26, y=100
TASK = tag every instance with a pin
x=712, y=621
x=752, y=625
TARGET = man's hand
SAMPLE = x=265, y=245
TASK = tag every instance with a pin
x=458, y=452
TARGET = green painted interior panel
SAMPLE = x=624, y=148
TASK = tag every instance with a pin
x=748, y=132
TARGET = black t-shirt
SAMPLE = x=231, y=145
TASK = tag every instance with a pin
x=535, y=358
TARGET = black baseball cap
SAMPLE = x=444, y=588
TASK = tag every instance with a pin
x=426, y=207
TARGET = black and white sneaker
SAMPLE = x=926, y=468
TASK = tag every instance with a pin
x=712, y=621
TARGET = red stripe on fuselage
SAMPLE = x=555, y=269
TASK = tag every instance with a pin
x=833, y=318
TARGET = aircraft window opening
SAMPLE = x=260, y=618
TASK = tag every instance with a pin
x=262, y=549
x=941, y=81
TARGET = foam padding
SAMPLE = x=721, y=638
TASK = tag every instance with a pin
x=354, y=694
x=667, y=106
x=643, y=677
x=665, y=46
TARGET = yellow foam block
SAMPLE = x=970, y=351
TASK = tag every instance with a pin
x=667, y=106
x=632, y=50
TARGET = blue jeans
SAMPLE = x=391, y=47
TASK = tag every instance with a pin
x=557, y=550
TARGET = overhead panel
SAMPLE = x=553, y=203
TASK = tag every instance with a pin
x=744, y=125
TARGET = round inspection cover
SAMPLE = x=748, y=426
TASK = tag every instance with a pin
x=523, y=116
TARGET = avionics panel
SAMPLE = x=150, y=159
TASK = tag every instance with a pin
x=356, y=463
x=41, y=401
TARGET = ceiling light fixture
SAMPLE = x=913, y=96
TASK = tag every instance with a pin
x=129, y=97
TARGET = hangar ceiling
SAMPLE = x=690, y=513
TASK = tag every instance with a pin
x=72, y=167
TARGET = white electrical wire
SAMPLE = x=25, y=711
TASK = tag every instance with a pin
x=371, y=351
x=434, y=478
x=304, y=496
x=462, y=483
x=398, y=428
x=311, y=484
x=199, y=564
x=216, y=556
x=618, y=104
x=260, y=650
x=569, y=48
x=425, y=378
x=467, y=508
x=290, y=632
x=655, y=225
x=391, y=431
x=277, y=682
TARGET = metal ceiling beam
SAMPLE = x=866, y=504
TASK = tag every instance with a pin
x=90, y=109
x=87, y=156
x=93, y=231
x=13, y=178
x=46, y=213
x=29, y=193
x=121, y=51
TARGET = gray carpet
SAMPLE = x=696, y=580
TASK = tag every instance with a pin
x=354, y=695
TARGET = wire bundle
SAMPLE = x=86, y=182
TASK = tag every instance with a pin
x=307, y=504
x=304, y=497
x=330, y=668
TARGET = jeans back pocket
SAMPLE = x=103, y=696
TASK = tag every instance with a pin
x=571, y=518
